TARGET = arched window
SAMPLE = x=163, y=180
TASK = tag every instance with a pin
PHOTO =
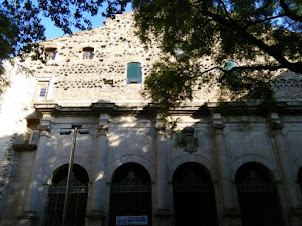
x=259, y=204
x=134, y=72
x=77, y=199
x=194, y=196
x=88, y=53
x=50, y=53
x=130, y=196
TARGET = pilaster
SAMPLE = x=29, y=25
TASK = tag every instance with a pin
x=231, y=212
x=31, y=211
x=284, y=164
x=163, y=213
x=97, y=214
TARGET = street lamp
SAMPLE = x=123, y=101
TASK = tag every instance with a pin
x=76, y=127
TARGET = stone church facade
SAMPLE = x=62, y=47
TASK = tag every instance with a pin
x=229, y=171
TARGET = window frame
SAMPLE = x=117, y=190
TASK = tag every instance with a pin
x=88, y=53
x=50, y=50
x=43, y=83
x=43, y=92
x=134, y=79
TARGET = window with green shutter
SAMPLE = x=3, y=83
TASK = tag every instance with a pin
x=134, y=72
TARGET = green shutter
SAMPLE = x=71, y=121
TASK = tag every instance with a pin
x=134, y=73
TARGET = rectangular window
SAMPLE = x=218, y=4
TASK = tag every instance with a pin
x=134, y=72
x=42, y=92
x=42, y=89
x=88, y=53
x=50, y=53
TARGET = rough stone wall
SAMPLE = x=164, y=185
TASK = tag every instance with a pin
x=287, y=86
x=16, y=105
x=102, y=78
x=73, y=79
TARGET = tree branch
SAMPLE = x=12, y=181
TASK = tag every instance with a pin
x=252, y=68
x=289, y=13
x=206, y=71
x=295, y=67
x=258, y=67
x=262, y=21
x=225, y=9
x=244, y=68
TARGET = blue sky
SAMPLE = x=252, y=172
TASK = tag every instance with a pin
x=52, y=31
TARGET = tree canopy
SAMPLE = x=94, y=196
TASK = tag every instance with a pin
x=263, y=35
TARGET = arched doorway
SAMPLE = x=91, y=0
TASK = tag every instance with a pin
x=77, y=199
x=300, y=178
x=194, y=196
x=259, y=204
x=130, y=196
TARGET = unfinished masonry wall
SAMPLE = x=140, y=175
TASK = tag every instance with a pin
x=15, y=106
x=73, y=79
x=102, y=78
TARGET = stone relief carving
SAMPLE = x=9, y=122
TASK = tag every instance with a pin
x=275, y=124
x=188, y=139
x=44, y=130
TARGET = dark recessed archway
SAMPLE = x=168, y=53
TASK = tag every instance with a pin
x=300, y=178
x=194, y=196
x=130, y=195
x=77, y=199
x=259, y=204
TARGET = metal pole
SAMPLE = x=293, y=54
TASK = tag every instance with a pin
x=75, y=131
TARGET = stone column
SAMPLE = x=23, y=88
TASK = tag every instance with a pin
x=30, y=214
x=97, y=216
x=163, y=214
x=231, y=213
x=287, y=172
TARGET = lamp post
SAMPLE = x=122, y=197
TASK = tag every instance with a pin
x=76, y=127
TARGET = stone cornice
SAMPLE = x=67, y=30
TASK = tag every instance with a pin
x=203, y=108
x=56, y=109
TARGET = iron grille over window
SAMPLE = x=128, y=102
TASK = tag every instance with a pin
x=88, y=53
x=130, y=195
x=193, y=196
x=134, y=72
x=77, y=200
x=257, y=196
